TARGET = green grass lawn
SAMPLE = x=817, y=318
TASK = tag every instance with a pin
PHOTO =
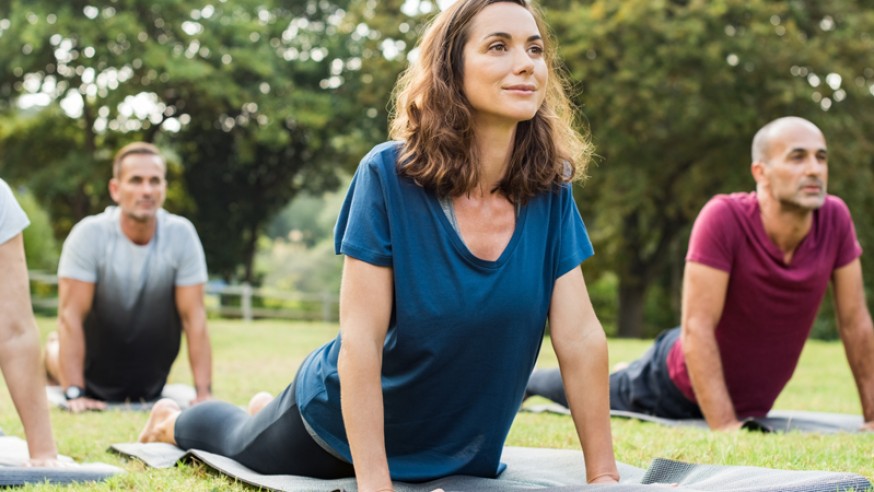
x=250, y=357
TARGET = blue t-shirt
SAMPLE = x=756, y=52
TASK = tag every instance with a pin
x=464, y=332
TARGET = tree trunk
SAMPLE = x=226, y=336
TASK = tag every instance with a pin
x=249, y=249
x=629, y=322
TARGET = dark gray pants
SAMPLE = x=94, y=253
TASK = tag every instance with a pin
x=273, y=441
x=643, y=387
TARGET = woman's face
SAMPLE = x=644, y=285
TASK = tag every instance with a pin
x=504, y=67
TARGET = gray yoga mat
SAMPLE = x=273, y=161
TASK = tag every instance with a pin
x=535, y=469
x=776, y=421
x=13, y=473
x=180, y=393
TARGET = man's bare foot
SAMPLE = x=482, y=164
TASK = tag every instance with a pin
x=162, y=420
x=258, y=402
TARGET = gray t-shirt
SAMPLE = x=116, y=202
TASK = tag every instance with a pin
x=13, y=220
x=133, y=331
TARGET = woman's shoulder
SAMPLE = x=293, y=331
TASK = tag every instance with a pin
x=382, y=156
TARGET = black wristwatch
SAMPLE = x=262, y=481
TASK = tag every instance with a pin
x=73, y=392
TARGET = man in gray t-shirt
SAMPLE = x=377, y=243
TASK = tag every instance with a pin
x=131, y=281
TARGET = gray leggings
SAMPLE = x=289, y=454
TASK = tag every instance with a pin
x=274, y=441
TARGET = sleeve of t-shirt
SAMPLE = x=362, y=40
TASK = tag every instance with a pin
x=79, y=255
x=575, y=246
x=192, y=261
x=711, y=242
x=13, y=220
x=848, y=248
x=362, y=229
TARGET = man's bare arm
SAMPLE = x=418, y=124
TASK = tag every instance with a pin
x=857, y=332
x=704, y=291
x=189, y=302
x=74, y=303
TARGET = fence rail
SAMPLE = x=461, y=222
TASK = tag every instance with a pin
x=228, y=301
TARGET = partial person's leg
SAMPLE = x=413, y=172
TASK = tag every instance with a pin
x=52, y=359
x=273, y=441
x=646, y=387
x=547, y=383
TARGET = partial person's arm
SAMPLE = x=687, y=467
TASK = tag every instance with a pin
x=581, y=347
x=192, y=311
x=366, y=296
x=704, y=290
x=74, y=304
x=20, y=354
x=857, y=332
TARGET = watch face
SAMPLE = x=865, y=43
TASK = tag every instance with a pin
x=73, y=392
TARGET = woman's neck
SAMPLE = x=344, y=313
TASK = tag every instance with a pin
x=494, y=146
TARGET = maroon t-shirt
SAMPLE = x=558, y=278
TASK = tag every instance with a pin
x=769, y=306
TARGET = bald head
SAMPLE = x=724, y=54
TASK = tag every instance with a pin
x=765, y=137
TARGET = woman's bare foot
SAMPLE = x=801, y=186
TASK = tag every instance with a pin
x=258, y=402
x=162, y=420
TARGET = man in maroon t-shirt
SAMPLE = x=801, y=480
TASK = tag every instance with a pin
x=757, y=268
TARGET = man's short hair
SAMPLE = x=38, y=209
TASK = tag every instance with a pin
x=762, y=141
x=133, y=148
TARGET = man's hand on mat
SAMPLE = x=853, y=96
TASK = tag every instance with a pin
x=730, y=426
x=83, y=404
x=201, y=398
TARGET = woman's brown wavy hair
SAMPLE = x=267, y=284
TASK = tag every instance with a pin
x=433, y=118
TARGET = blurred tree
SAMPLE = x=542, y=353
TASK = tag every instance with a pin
x=309, y=218
x=259, y=99
x=674, y=91
x=301, y=256
x=40, y=247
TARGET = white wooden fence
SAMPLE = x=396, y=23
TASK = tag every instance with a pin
x=228, y=301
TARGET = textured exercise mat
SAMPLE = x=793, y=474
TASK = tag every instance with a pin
x=13, y=473
x=776, y=421
x=535, y=469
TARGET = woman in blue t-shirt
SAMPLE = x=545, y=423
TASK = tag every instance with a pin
x=461, y=239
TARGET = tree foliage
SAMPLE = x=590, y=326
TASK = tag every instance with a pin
x=40, y=247
x=674, y=91
x=258, y=99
